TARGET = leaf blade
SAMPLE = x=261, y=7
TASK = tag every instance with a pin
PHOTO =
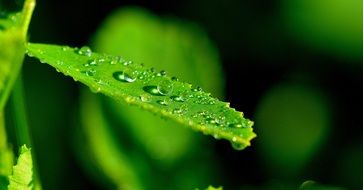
x=153, y=91
x=22, y=176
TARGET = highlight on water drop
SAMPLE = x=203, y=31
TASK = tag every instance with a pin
x=123, y=77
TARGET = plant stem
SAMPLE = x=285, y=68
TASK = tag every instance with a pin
x=22, y=131
x=19, y=114
x=3, y=139
x=28, y=9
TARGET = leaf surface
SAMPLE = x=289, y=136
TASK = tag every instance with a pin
x=135, y=84
x=22, y=176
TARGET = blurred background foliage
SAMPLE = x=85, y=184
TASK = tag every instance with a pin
x=294, y=67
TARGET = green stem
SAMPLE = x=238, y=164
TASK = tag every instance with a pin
x=3, y=139
x=19, y=114
x=15, y=59
x=22, y=131
x=28, y=9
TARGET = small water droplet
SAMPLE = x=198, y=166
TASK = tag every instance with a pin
x=153, y=90
x=126, y=63
x=92, y=63
x=165, y=87
x=59, y=62
x=161, y=73
x=211, y=121
x=162, y=102
x=216, y=136
x=177, y=111
x=65, y=48
x=174, y=79
x=85, y=50
x=177, y=98
x=197, y=89
x=238, y=146
x=235, y=125
x=145, y=98
x=123, y=77
x=90, y=72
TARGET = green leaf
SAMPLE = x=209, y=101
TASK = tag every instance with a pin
x=22, y=176
x=179, y=47
x=13, y=29
x=134, y=84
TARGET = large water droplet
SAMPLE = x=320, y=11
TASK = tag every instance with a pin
x=123, y=77
x=85, y=50
x=165, y=87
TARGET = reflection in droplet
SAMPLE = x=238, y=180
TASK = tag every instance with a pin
x=123, y=77
x=165, y=87
x=145, y=98
x=177, y=98
x=153, y=90
x=162, y=102
x=86, y=51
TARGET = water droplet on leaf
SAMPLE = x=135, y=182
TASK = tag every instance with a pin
x=85, y=50
x=177, y=98
x=165, y=87
x=235, y=125
x=162, y=102
x=153, y=90
x=174, y=79
x=123, y=77
x=238, y=146
x=145, y=98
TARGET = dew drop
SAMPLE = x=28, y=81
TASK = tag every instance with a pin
x=197, y=89
x=123, y=77
x=162, y=102
x=85, y=50
x=174, y=79
x=92, y=63
x=145, y=98
x=161, y=73
x=126, y=63
x=177, y=98
x=90, y=72
x=178, y=111
x=153, y=90
x=210, y=121
x=235, y=125
x=165, y=87
x=216, y=136
x=237, y=146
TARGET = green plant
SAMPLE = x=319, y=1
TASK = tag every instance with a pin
x=120, y=79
